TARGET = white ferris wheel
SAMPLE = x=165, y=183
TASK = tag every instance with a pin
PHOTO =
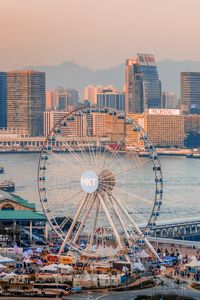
x=111, y=198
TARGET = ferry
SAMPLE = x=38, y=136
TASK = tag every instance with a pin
x=1, y=170
x=7, y=186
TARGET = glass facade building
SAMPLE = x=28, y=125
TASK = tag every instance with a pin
x=3, y=100
x=190, y=92
x=26, y=100
x=111, y=99
x=143, y=87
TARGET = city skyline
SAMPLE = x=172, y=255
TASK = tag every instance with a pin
x=96, y=39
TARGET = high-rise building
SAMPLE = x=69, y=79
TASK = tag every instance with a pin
x=73, y=97
x=190, y=92
x=169, y=100
x=51, y=100
x=3, y=100
x=142, y=84
x=111, y=98
x=26, y=100
x=62, y=99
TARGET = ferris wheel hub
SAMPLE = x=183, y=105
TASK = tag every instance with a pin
x=107, y=180
x=89, y=181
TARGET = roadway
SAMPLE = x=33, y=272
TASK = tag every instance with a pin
x=169, y=288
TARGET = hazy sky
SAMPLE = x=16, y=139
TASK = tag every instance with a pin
x=96, y=33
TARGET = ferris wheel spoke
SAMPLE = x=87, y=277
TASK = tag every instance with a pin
x=125, y=181
x=80, y=147
x=133, y=195
x=114, y=151
x=74, y=195
x=139, y=165
x=128, y=208
x=60, y=158
x=82, y=204
x=123, y=171
x=90, y=144
x=75, y=155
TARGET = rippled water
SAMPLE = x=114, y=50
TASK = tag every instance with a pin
x=181, y=197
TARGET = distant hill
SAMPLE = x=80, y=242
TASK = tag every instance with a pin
x=71, y=75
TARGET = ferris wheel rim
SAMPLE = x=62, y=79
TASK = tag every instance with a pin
x=152, y=153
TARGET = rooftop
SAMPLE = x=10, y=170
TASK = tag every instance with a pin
x=21, y=215
x=16, y=198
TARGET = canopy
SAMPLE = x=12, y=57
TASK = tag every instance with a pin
x=66, y=267
x=193, y=264
x=52, y=268
x=11, y=275
x=2, y=266
x=5, y=259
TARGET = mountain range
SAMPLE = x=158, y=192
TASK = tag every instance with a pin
x=72, y=75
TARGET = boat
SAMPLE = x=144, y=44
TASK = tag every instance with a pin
x=1, y=170
x=7, y=186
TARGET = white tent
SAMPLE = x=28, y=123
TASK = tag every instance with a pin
x=2, y=266
x=51, y=268
x=162, y=268
x=28, y=261
x=143, y=254
x=10, y=275
x=138, y=266
x=5, y=259
x=63, y=266
x=193, y=264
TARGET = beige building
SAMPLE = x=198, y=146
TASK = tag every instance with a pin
x=95, y=124
x=74, y=127
x=108, y=125
x=165, y=127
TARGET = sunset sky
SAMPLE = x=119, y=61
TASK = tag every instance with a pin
x=96, y=33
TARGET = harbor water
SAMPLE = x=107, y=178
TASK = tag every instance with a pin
x=181, y=198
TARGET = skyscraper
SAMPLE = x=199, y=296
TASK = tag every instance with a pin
x=142, y=84
x=190, y=92
x=26, y=100
x=111, y=98
x=3, y=100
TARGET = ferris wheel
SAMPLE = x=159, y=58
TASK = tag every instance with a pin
x=108, y=195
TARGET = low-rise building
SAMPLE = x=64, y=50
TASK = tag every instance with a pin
x=19, y=220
